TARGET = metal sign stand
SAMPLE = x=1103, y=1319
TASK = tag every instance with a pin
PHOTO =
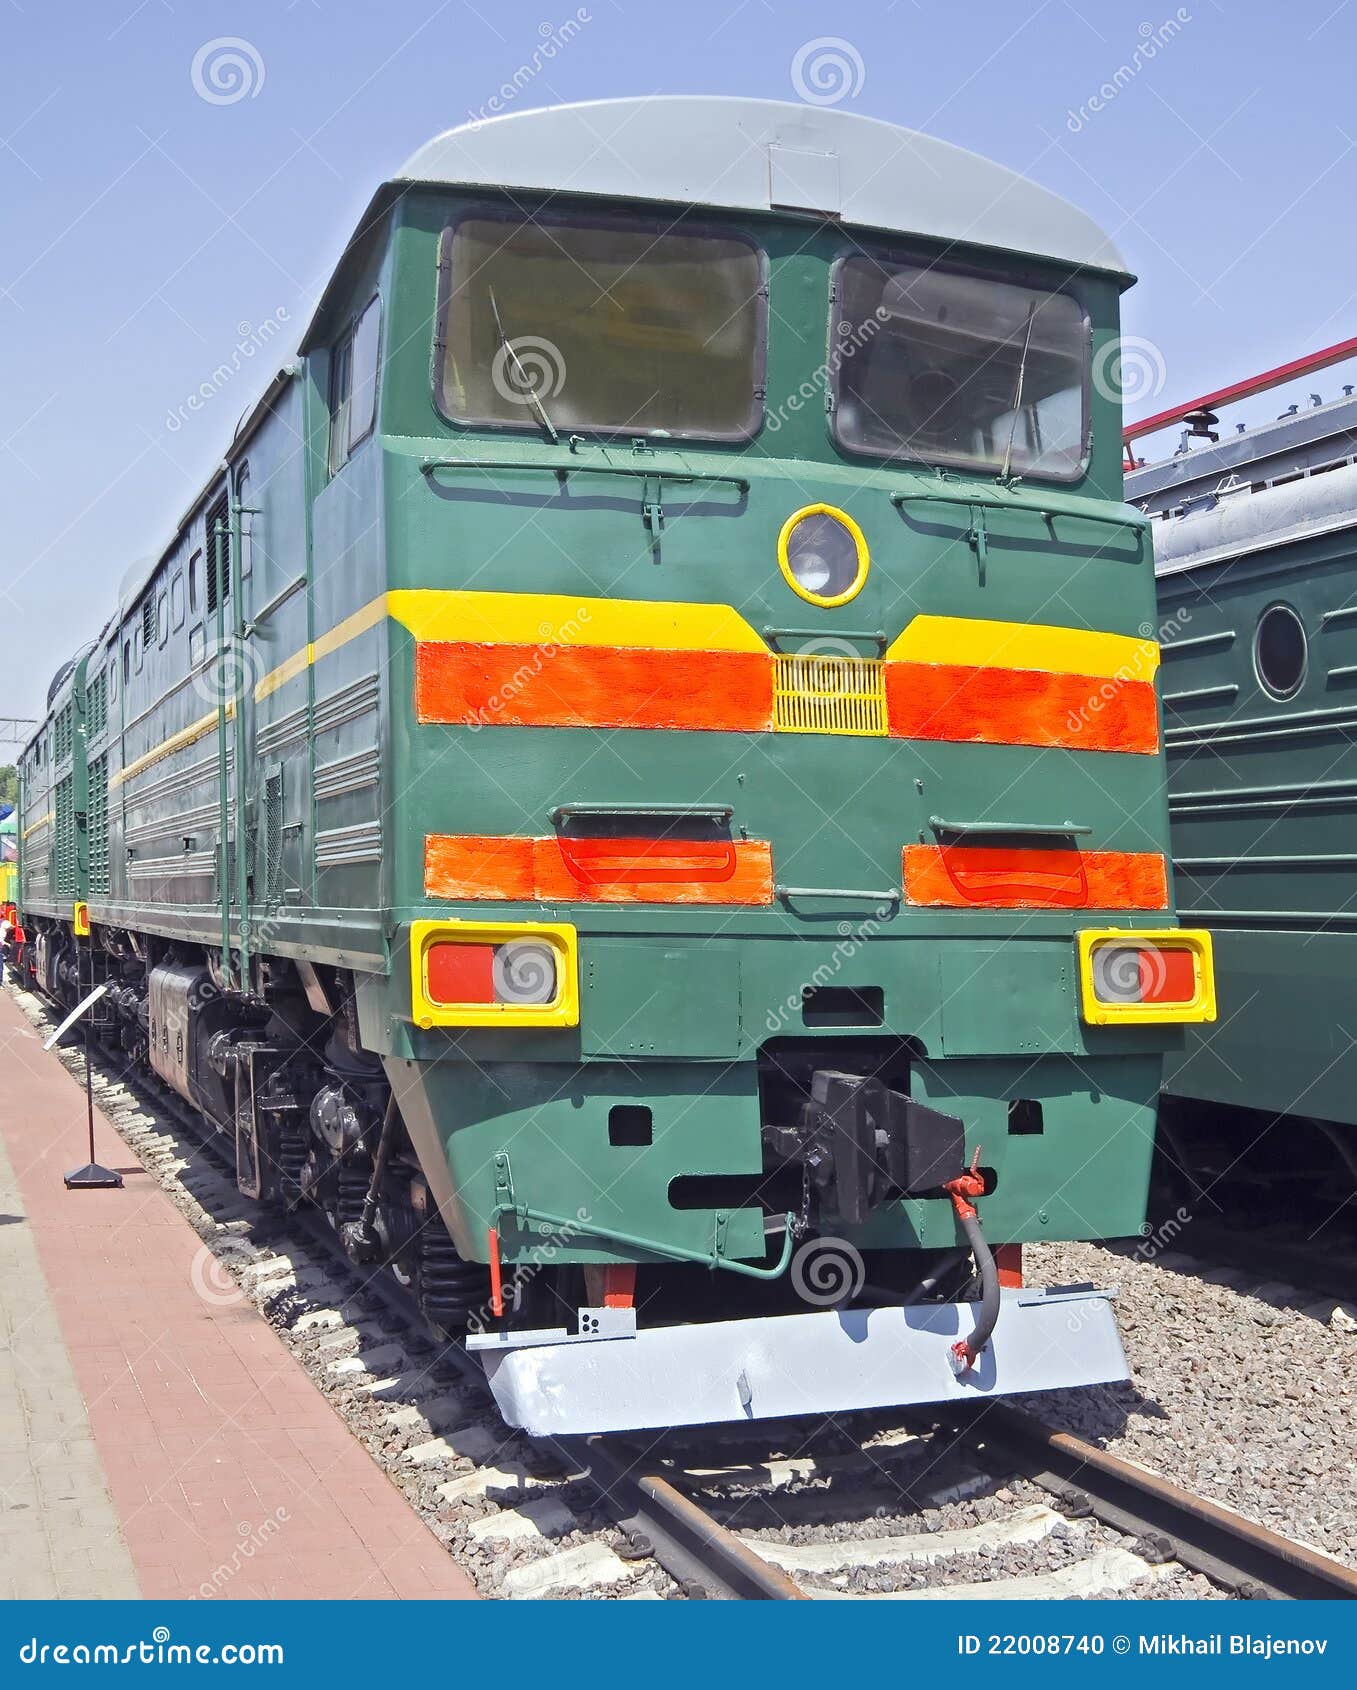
x=92, y=1177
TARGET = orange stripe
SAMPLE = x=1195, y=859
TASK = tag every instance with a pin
x=598, y=871
x=946, y=701
x=593, y=687
x=974, y=876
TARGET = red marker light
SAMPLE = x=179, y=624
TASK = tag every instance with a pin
x=1167, y=976
x=459, y=973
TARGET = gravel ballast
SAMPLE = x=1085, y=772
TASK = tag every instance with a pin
x=1242, y=1390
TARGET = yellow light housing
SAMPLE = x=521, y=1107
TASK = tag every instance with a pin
x=1143, y=976
x=823, y=555
x=494, y=974
x=81, y=921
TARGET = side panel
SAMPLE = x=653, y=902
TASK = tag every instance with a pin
x=1263, y=800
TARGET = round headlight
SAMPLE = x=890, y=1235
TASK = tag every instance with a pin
x=524, y=972
x=823, y=555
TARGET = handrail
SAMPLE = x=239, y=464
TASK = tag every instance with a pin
x=979, y=505
x=982, y=830
x=652, y=473
x=873, y=636
x=786, y=893
x=667, y=812
x=1048, y=512
x=705, y=1258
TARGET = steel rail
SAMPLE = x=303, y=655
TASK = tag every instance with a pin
x=1173, y=1523
x=699, y=1554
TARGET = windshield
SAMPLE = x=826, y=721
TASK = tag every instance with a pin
x=612, y=328
x=939, y=358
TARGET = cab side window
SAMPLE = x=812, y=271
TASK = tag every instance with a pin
x=353, y=385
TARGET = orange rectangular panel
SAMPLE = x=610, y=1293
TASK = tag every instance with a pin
x=948, y=701
x=470, y=865
x=988, y=877
x=655, y=871
x=593, y=687
x=599, y=871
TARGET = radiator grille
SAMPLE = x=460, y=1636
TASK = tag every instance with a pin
x=273, y=836
x=67, y=862
x=829, y=695
x=98, y=825
x=97, y=705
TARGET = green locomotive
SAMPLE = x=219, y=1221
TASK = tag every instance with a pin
x=638, y=786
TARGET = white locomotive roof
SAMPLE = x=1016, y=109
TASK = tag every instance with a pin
x=754, y=155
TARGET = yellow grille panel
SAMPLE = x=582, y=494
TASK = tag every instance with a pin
x=829, y=695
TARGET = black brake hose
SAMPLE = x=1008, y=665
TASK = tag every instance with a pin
x=967, y=1350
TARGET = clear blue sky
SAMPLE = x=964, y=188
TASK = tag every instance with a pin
x=144, y=228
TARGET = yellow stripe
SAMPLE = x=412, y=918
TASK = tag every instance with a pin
x=564, y=619
x=176, y=742
x=975, y=644
x=42, y=821
x=295, y=665
x=351, y=626
x=340, y=635
x=430, y=613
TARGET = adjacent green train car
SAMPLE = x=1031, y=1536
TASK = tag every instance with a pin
x=1254, y=542
x=638, y=786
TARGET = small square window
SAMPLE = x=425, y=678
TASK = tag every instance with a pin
x=353, y=386
x=341, y=382
x=363, y=375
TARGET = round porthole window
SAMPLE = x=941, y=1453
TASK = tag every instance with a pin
x=1280, y=651
x=823, y=554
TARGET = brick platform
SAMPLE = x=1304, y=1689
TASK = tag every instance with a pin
x=150, y=1438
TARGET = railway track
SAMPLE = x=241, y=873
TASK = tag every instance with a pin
x=990, y=1503
x=1271, y=1255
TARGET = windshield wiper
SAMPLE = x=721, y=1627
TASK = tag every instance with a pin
x=535, y=398
x=1017, y=396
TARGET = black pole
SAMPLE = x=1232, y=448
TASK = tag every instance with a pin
x=91, y=1177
